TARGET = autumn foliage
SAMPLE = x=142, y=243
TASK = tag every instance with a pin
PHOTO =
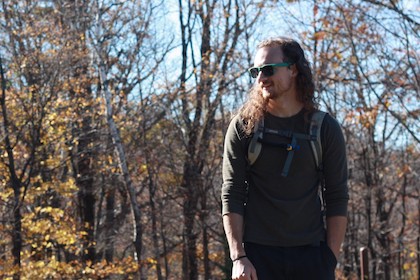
x=113, y=115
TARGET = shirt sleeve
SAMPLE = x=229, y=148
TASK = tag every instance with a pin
x=335, y=168
x=234, y=187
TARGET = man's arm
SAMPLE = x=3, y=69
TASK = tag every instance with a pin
x=233, y=224
x=242, y=268
x=335, y=175
x=336, y=230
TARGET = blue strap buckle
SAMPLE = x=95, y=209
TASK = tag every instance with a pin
x=291, y=147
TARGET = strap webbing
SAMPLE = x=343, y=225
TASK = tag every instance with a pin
x=254, y=148
x=315, y=131
x=289, y=158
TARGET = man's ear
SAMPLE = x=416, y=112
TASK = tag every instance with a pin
x=294, y=70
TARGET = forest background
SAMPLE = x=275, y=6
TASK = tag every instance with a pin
x=113, y=116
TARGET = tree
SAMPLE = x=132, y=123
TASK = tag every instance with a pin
x=364, y=78
x=52, y=123
x=211, y=34
x=107, y=110
x=110, y=57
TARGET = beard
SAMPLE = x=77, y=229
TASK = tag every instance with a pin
x=273, y=91
x=269, y=93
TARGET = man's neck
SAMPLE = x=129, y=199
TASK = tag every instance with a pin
x=284, y=108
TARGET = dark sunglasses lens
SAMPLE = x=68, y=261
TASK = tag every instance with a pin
x=268, y=70
x=254, y=72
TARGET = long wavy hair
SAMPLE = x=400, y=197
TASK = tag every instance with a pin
x=255, y=107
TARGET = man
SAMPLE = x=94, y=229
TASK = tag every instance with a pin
x=273, y=222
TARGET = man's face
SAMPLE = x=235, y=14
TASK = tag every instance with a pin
x=282, y=82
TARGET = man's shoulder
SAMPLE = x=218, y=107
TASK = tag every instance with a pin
x=331, y=130
x=330, y=121
x=237, y=125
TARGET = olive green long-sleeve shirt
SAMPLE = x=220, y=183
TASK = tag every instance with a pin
x=284, y=211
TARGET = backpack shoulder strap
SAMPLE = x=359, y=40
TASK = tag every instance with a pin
x=254, y=147
x=316, y=145
x=315, y=132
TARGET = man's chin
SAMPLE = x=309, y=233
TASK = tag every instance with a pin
x=267, y=94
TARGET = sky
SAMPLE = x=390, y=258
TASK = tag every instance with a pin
x=272, y=23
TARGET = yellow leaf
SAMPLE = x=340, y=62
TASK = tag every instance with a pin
x=319, y=35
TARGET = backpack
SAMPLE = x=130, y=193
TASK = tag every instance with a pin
x=314, y=136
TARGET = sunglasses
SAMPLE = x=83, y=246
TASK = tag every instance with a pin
x=267, y=69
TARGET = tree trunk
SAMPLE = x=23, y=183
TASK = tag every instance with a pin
x=203, y=218
x=84, y=179
x=189, y=190
x=116, y=139
x=109, y=223
x=155, y=238
x=14, y=180
x=17, y=230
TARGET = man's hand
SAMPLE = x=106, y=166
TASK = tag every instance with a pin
x=243, y=270
x=242, y=267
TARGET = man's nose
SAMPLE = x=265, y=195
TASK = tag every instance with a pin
x=261, y=76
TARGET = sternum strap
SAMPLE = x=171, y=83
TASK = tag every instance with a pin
x=289, y=158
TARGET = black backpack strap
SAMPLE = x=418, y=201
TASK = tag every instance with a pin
x=316, y=145
x=290, y=154
x=315, y=132
x=254, y=147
